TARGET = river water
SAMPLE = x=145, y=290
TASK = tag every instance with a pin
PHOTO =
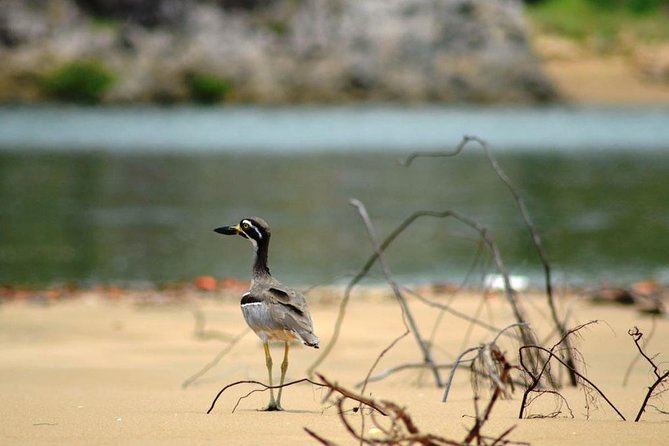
x=132, y=194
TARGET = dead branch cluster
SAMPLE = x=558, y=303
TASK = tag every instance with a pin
x=537, y=367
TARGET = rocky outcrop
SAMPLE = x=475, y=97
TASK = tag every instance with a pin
x=276, y=51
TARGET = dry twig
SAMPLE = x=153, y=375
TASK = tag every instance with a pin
x=527, y=334
x=536, y=379
x=533, y=232
x=324, y=383
x=402, y=430
x=659, y=375
x=407, y=316
x=490, y=373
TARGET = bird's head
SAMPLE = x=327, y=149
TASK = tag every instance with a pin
x=255, y=229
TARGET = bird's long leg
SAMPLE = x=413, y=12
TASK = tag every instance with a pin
x=268, y=361
x=284, y=367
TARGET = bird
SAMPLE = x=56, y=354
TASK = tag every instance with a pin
x=273, y=311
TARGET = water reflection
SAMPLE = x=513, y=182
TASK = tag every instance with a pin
x=95, y=216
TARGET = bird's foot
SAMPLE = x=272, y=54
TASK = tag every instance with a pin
x=273, y=406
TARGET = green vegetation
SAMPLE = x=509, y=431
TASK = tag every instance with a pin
x=208, y=88
x=82, y=81
x=603, y=22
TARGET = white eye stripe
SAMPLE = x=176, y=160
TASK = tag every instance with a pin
x=250, y=225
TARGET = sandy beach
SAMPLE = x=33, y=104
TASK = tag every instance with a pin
x=604, y=80
x=98, y=370
x=633, y=75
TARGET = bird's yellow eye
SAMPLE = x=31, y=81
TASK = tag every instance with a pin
x=245, y=225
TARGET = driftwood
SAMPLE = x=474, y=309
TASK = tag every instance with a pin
x=407, y=316
x=526, y=333
x=398, y=428
x=532, y=230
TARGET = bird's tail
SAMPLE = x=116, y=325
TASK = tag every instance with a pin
x=310, y=340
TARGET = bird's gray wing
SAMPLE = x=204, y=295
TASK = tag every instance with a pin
x=290, y=307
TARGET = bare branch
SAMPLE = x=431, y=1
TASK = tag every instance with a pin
x=483, y=233
x=645, y=342
x=537, y=378
x=457, y=363
x=533, y=232
x=417, y=365
x=409, y=321
x=637, y=335
x=318, y=438
x=660, y=377
x=498, y=358
x=324, y=383
x=469, y=350
x=453, y=311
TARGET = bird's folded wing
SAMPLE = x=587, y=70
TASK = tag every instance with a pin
x=293, y=304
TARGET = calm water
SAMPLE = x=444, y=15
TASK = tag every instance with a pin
x=133, y=194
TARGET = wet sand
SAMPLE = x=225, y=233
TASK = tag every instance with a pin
x=94, y=370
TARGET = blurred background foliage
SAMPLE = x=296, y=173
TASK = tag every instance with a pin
x=208, y=88
x=79, y=81
x=602, y=22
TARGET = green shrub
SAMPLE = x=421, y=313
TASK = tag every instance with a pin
x=208, y=88
x=602, y=20
x=82, y=81
x=634, y=6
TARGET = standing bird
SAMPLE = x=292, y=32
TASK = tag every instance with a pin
x=274, y=312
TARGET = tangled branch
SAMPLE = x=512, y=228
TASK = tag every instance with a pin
x=532, y=230
x=536, y=378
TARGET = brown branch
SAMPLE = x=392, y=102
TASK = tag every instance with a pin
x=537, y=378
x=636, y=336
x=351, y=395
x=401, y=421
x=324, y=383
x=561, y=361
x=651, y=389
x=636, y=357
x=400, y=428
x=321, y=440
x=265, y=387
x=475, y=431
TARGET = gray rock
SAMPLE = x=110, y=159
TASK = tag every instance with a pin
x=281, y=50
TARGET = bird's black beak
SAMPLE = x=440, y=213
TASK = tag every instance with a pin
x=227, y=230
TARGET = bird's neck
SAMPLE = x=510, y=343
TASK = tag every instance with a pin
x=260, y=268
